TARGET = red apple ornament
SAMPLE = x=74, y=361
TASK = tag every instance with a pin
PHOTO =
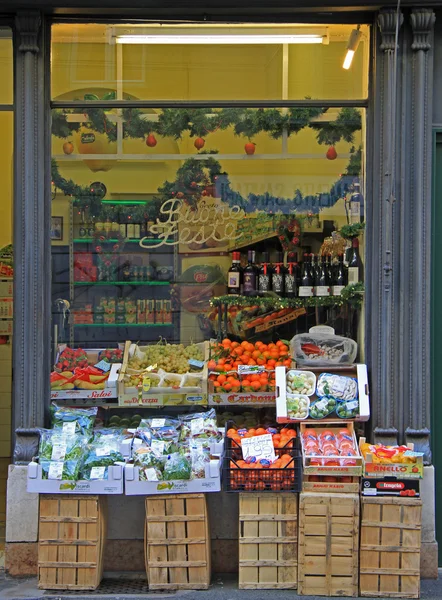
x=151, y=140
x=199, y=143
x=68, y=147
x=331, y=153
x=250, y=148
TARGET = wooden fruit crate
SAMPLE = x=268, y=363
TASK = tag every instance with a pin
x=329, y=485
x=328, y=544
x=390, y=547
x=72, y=533
x=177, y=542
x=268, y=538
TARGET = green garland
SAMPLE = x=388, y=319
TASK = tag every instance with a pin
x=349, y=232
x=199, y=122
x=84, y=196
x=352, y=294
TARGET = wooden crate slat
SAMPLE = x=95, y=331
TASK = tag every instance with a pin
x=177, y=542
x=72, y=532
x=328, y=544
x=390, y=547
x=268, y=541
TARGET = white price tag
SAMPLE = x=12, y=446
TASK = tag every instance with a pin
x=352, y=405
x=321, y=404
x=151, y=474
x=413, y=454
x=55, y=470
x=97, y=472
x=157, y=447
x=196, y=426
x=158, y=423
x=58, y=452
x=69, y=428
x=259, y=447
x=104, y=451
x=339, y=386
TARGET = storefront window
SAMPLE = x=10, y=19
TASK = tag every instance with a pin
x=182, y=223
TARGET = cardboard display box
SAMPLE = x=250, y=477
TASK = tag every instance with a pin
x=112, y=485
x=391, y=486
x=374, y=469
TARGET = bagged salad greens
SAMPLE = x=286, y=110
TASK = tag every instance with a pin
x=62, y=470
x=55, y=445
x=101, y=453
x=73, y=420
x=150, y=465
x=199, y=426
x=177, y=466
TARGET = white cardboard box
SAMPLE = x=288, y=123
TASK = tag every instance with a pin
x=211, y=483
x=112, y=485
x=360, y=373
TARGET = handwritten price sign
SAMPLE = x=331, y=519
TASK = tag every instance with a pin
x=258, y=447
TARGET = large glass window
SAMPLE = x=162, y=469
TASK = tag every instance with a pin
x=155, y=204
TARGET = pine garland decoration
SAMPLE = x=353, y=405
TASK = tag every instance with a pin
x=350, y=232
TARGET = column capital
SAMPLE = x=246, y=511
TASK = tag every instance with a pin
x=27, y=24
x=422, y=23
x=387, y=27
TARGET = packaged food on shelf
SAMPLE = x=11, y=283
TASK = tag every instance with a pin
x=322, y=408
x=322, y=349
x=298, y=406
x=337, y=386
x=391, y=461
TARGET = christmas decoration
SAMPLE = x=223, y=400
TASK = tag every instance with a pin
x=289, y=232
x=151, y=140
x=199, y=143
x=331, y=153
x=250, y=148
x=344, y=127
x=68, y=147
x=352, y=294
x=349, y=232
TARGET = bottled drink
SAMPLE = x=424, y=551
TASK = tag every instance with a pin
x=340, y=278
x=355, y=204
x=279, y=274
x=315, y=267
x=306, y=287
x=265, y=274
x=322, y=283
x=330, y=269
x=249, y=275
x=291, y=280
x=234, y=274
x=354, y=263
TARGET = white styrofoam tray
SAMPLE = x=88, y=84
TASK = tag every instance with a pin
x=211, y=482
x=112, y=485
x=363, y=395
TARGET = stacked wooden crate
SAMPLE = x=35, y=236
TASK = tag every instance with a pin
x=177, y=542
x=268, y=540
x=72, y=533
x=390, y=547
x=328, y=544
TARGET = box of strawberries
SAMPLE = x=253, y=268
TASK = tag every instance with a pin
x=90, y=373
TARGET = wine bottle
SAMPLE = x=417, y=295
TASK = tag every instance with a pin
x=330, y=269
x=234, y=274
x=291, y=279
x=279, y=274
x=315, y=267
x=306, y=287
x=322, y=283
x=354, y=263
x=265, y=274
x=249, y=275
x=340, y=278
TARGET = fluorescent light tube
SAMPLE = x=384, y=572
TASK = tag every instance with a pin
x=220, y=39
x=352, y=46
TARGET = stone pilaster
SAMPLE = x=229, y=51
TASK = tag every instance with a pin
x=417, y=395
x=31, y=235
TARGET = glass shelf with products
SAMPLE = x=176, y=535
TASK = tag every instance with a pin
x=118, y=283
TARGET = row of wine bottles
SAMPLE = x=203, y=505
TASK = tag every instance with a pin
x=315, y=276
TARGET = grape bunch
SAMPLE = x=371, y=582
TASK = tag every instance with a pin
x=173, y=358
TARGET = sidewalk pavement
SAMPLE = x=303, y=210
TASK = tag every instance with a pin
x=133, y=587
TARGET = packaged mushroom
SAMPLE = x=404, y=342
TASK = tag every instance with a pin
x=300, y=382
x=337, y=386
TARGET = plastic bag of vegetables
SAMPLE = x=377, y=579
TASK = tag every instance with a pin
x=150, y=465
x=162, y=428
x=73, y=420
x=177, y=466
x=56, y=445
x=200, y=425
x=61, y=469
x=102, y=452
x=199, y=459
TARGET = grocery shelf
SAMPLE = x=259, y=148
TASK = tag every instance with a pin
x=122, y=324
x=107, y=283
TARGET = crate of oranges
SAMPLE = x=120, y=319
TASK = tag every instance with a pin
x=284, y=473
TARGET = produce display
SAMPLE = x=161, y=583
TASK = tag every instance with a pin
x=337, y=386
x=323, y=407
x=228, y=355
x=329, y=448
x=314, y=349
x=73, y=450
x=171, y=358
x=385, y=455
x=75, y=369
x=262, y=474
x=175, y=448
x=231, y=381
x=298, y=406
x=301, y=382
